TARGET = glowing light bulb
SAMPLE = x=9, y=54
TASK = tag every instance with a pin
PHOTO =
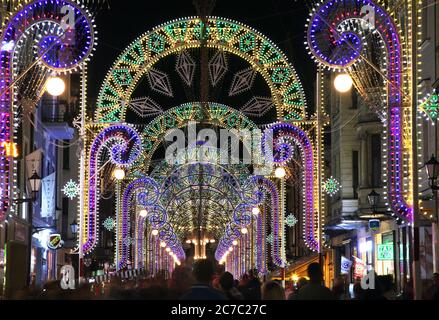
x=155, y=232
x=256, y=211
x=235, y=243
x=55, y=86
x=280, y=173
x=188, y=241
x=343, y=83
x=230, y=249
x=168, y=249
x=119, y=174
x=244, y=230
x=163, y=244
x=143, y=213
x=212, y=241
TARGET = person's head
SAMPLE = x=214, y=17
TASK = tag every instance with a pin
x=203, y=271
x=226, y=281
x=273, y=291
x=436, y=279
x=181, y=278
x=301, y=283
x=315, y=273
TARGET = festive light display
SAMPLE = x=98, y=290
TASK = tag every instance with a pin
x=336, y=44
x=109, y=224
x=331, y=186
x=177, y=37
x=430, y=106
x=71, y=190
x=161, y=202
x=291, y=220
x=54, y=54
x=124, y=144
x=277, y=134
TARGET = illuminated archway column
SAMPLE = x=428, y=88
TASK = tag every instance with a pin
x=328, y=32
x=30, y=17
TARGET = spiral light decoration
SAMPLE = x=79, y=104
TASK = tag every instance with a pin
x=334, y=45
x=125, y=147
x=277, y=134
x=57, y=53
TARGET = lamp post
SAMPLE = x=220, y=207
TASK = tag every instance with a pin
x=74, y=229
x=374, y=199
x=35, y=186
x=432, y=168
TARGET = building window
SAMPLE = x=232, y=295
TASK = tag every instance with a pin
x=376, y=161
x=354, y=99
x=66, y=156
x=355, y=173
x=425, y=22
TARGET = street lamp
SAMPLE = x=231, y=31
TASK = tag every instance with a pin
x=35, y=186
x=74, y=228
x=374, y=200
x=432, y=168
x=343, y=83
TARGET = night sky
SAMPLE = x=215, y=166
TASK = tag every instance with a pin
x=282, y=21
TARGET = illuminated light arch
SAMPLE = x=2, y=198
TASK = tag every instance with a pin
x=176, y=118
x=125, y=147
x=28, y=17
x=339, y=53
x=278, y=133
x=182, y=34
x=157, y=216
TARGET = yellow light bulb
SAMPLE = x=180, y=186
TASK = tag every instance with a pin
x=119, y=174
x=143, y=213
x=343, y=83
x=280, y=173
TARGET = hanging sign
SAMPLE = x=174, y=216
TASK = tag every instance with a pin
x=359, y=268
x=374, y=225
x=385, y=251
x=346, y=265
x=55, y=242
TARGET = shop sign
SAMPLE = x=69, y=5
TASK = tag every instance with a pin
x=359, y=268
x=55, y=242
x=374, y=225
x=385, y=251
x=346, y=265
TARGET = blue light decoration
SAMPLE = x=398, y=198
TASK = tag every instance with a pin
x=58, y=54
x=291, y=220
x=338, y=49
x=109, y=224
x=280, y=133
x=125, y=147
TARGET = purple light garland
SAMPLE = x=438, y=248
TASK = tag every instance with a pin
x=126, y=147
x=32, y=14
x=278, y=133
x=325, y=43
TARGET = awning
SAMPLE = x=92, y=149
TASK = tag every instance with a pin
x=299, y=268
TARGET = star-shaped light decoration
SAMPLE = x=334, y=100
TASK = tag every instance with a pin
x=430, y=106
x=331, y=186
x=291, y=221
x=270, y=238
x=128, y=241
x=71, y=190
x=109, y=224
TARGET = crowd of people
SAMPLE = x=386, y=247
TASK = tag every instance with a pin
x=202, y=282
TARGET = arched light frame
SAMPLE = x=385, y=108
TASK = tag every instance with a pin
x=323, y=23
x=223, y=34
x=17, y=26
